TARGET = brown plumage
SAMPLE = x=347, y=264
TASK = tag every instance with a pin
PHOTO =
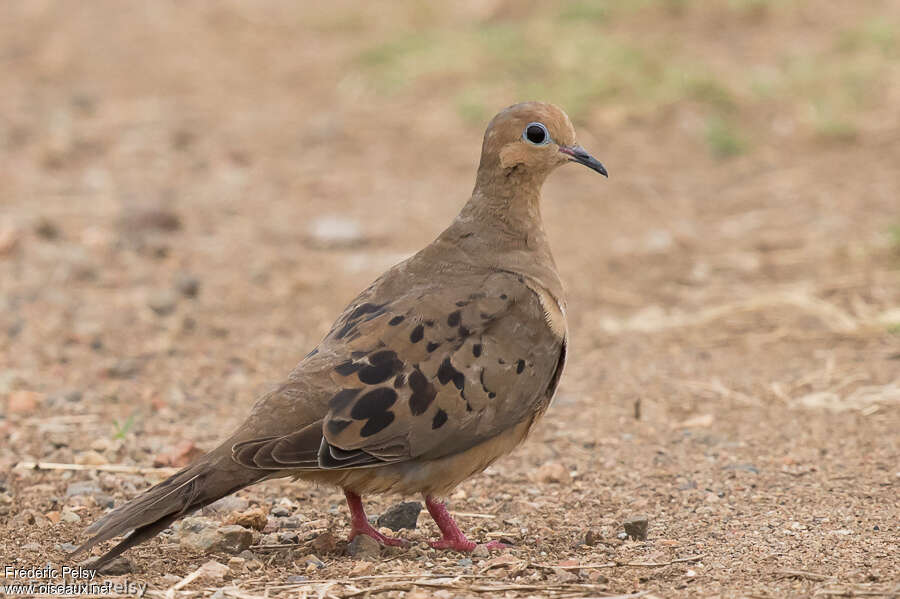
x=438, y=368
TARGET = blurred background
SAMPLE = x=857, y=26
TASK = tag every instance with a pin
x=191, y=192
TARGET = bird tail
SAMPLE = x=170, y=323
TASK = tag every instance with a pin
x=212, y=477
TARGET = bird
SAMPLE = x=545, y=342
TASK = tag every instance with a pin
x=437, y=369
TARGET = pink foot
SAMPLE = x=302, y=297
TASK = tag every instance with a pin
x=359, y=524
x=452, y=537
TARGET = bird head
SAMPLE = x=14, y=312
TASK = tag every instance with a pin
x=533, y=138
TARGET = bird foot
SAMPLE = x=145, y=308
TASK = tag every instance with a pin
x=370, y=531
x=464, y=545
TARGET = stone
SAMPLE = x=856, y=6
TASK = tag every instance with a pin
x=162, y=302
x=361, y=568
x=324, y=543
x=636, y=527
x=86, y=487
x=23, y=402
x=332, y=231
x=364, y=547
x=280, y=511
x=91, y=458
x=70, y=517
x=292, y=522
x=296, y=578
x=229, y=503
x=400, y=515
x=31, y=547
x=481, y=551
x=179, y=455
x=255, y=518
x=213, y=571
x=553, y=472
x=228, y=539
x=187, y=285
x=124, y=368
x=117, y=567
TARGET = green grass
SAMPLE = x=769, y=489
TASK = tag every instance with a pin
x=590, y=56
x=723, y=138
x=122, y=429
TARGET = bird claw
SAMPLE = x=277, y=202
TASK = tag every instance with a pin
x=383, y=539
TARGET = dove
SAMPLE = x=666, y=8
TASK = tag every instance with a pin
x=436, y=370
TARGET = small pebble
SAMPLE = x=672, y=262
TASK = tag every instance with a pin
x=69, y=516
x=187, y=285
x=364, y=547
x=636, y=527
x=324, y=543
x=82, y=488
x=117, y=567
x=279, y=511
x=401, y=515
x=23, y=402
x=295, y=578
x=553, y=472
x=255, y=518
x=162, y=302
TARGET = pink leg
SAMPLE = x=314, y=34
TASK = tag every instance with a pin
x=452, y=536
x=359, y=524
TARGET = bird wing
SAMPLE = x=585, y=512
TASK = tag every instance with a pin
x=422, y=373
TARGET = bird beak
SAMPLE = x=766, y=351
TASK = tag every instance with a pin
x=580, y=155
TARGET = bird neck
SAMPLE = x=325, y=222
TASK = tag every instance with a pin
x=507, y=201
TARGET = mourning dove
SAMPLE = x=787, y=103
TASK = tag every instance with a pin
x=438, y=368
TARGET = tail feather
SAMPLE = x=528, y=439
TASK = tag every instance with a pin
x=214, y=476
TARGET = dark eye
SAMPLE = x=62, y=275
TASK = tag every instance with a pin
x=536, y=133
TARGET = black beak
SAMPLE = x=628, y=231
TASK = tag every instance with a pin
x=580, y=155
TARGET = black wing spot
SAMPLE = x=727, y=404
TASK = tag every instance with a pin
x=492, y=395
x=462, y=303
x=384, y=365
x=423, y=393
x=347, y=368
x=336, y=426
x=476, y=350
x=520, y=366
x=453, y=319
x=376, y=424
x=373, y=404
x=417, y=334
x=366, y=308
x=464, y=332
x=396, y=320
x=432, y=346
x=447, y=373
x=312, y=353
x=440, y=418
x=342, y=399
x=503, y=296
x=356, y=355
x=429, y=323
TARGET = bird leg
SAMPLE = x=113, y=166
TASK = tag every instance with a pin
x=452, y=536
x=359, y=524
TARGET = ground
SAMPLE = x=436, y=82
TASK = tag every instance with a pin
x=191, y=193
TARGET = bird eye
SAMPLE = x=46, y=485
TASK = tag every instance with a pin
x=536, y=134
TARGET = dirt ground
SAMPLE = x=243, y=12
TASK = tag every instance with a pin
x=192, y=192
